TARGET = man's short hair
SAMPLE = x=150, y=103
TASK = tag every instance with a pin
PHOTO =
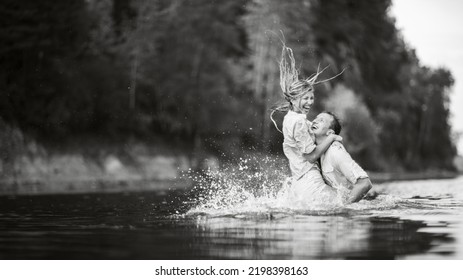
x=335, y=123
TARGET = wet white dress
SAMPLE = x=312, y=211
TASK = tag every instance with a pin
x=306, y=186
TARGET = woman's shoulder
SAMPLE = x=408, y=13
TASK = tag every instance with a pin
x=293, y=116
x=293, y=123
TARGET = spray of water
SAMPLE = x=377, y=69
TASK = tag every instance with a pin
x=249, y=185
x=255, y=186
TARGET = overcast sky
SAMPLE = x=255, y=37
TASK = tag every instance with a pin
x=434, y=29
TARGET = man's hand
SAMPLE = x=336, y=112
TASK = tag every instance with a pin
x=359, y=190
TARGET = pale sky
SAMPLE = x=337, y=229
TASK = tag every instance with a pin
x=434, y=29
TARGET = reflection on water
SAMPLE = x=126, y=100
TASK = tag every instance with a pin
x=326, y=237
x=410, y=220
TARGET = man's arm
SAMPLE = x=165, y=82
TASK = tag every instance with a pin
x=344, y=163
x=360, y=189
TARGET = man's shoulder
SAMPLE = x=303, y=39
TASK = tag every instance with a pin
x=336, y=147
x=336, y=153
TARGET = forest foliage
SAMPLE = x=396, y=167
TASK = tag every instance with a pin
x=204, y=73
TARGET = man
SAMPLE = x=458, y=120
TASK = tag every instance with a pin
x=338, y=167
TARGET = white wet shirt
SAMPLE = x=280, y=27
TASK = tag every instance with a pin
x=338, y=167
x=298, y=140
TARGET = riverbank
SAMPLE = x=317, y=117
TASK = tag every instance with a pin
x=93, y=167
x=160, y=182
x=100, y=167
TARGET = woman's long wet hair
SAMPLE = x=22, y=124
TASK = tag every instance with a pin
x=291, y=86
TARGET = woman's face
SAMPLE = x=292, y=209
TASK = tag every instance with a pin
x=303, y=103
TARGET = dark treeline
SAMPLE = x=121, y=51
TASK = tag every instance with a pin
x=205, y=71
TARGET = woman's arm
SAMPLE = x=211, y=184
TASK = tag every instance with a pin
x=321, y=148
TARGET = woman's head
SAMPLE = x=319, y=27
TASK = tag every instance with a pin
x=292, y=87
x=302, y=97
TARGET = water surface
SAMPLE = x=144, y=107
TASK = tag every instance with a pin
x=409, y=220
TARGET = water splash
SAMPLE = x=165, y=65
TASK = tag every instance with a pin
x=249, y=185
x=253, y=188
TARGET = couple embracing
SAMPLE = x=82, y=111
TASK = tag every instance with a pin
x=306, y=144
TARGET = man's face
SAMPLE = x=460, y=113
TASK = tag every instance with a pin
x=321, y=125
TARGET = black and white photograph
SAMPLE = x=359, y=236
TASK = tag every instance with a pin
x=231, y=130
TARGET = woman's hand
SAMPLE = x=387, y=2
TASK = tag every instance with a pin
x=335, y=137
x=322, y=147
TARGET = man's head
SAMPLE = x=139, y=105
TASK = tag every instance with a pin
x=324, y=124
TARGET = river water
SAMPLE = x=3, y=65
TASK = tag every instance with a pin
x=408, y=220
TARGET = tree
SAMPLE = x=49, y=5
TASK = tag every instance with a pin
x=35, y=40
